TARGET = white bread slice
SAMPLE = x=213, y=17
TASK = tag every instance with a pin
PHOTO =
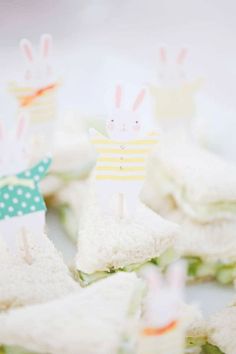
x=221, y=330
x=213, y=242
x=43, y=280
x=195, y=323
x=94, y=320
x=201, y=183
x=107, y=243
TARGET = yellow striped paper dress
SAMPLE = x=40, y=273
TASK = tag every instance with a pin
x=176, y=102
x=41, y=104
x=122, y=160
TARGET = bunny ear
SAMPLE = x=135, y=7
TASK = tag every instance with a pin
x=154, y=278
x=27, y=50
x=45, y=45
x=176, y=276
x=22, y=125
x=139, y=99
x=163, y=55
x=118, y=96
x=182, y=56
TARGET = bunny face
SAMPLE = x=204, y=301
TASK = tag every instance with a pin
x=125, y=124
x=164, y=298
x=39, y=72
x=172, y=74
x=14, y=157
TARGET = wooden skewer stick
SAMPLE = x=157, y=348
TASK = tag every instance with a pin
x=26, y=248
x=121, y=212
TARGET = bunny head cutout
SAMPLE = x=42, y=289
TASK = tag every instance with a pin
x=14, y=157
x=125, y=124
x=172, y=72
x=164, y=295
x=39, y=71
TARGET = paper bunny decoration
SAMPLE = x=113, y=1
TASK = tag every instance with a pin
x=39, y=72
x=38, y=90
x=21, y=204
x=120, y=168
x=162, y=329
x=173, y=96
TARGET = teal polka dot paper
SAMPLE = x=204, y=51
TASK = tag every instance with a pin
x=20, y=194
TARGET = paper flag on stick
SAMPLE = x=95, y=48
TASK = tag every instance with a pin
x=173, y=95
x=21, y=203
x=37, y=94
x=163, y=330
x=39, y=71
x=120, y=168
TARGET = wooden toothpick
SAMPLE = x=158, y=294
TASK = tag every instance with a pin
x=27, y=256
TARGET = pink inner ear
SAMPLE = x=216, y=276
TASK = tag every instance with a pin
x=154, y=279
x=46, y=48
x=46, y=41
x=139, y=100
x=163, y=55
x=118, y=95
x=27, y=49
x=176, y=276
x=182, y=56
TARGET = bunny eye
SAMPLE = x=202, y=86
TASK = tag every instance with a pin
x=136, y=121
x=112, y=120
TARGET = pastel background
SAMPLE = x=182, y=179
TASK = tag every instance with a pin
x=100, y=41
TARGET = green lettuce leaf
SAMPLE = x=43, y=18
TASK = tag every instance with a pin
x=210, y=349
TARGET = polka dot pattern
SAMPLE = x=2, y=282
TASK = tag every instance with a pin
x=22, y=199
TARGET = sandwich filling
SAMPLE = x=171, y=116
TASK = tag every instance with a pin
x=163, y=261
x=69, y=221
x=14, y=350
x=199, y=211
x=210, y=349
x=198, y=269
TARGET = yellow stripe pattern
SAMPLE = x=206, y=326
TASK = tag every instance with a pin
x=121, y=160
x=43, y=108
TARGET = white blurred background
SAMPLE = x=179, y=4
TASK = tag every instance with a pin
x=98, y=42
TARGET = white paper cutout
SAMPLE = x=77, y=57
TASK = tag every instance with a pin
x=174, y=94
x=39, y=72
x=163, y=330
x=37, y=92
x=21, y=204
x=122, y=155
